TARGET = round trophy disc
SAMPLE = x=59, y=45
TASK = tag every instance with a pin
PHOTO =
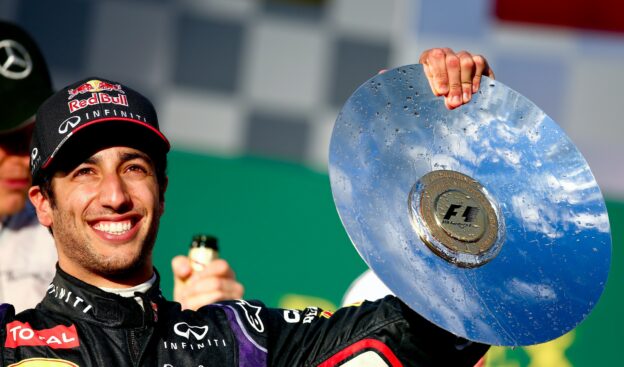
x=486, y=219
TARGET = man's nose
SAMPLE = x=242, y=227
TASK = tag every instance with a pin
x=114, y=193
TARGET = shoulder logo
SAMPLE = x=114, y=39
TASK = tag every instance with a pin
x=185, y=330
x=252, y=313
x=15, y=61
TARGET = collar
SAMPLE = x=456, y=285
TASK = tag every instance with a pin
x=75, y=299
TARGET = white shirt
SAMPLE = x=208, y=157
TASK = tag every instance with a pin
x=27, y=259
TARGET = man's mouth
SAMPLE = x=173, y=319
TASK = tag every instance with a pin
x=114, y=228
x=15, y=183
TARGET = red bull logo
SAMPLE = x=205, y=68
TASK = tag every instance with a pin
x=97, y=98
x=94, y=86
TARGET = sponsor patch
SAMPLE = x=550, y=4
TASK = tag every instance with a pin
x=23, y=335
x=97, y=98
x=92, y=86
x=43, y=362
x=252, y=314
x=185, y=330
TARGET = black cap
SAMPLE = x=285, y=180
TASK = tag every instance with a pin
x=88, y=113
x=24, y=77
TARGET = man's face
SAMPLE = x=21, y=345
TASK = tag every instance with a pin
x=14, y=170
x=104, y=216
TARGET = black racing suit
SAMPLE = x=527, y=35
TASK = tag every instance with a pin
x=80, y=325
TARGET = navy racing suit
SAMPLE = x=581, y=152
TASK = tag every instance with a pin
x=77, y=324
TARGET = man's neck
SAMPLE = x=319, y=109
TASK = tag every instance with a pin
x=137, y=278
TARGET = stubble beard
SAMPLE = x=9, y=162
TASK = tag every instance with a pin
x=78, y=248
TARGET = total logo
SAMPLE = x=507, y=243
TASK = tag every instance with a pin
x=21, y=334
x=93, y=86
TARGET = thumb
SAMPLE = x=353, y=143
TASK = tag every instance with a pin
x=181, y=267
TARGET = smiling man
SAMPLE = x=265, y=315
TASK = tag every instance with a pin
x=98, y=169
x=27, y=253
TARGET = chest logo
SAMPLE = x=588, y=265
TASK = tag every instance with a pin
x=185, y=330
x=21, y=334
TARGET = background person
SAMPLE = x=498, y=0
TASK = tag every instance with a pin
x=27, y=254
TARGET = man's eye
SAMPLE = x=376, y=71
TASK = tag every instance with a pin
x=83, y=171
x=137, y=168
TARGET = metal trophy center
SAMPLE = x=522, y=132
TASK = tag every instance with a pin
x=456, y=218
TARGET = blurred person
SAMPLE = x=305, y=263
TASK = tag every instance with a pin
x=27, y=253
x=99, y=186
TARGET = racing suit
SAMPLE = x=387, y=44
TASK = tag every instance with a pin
x=80, y=325
x=27, y=258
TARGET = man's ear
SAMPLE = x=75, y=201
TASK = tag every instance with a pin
x=42, y=205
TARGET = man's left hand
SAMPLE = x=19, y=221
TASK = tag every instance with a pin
x=193, y=289
x=454, y=75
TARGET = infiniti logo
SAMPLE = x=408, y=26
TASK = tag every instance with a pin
x=185, y=330
x=34, y=153
x=15, y=62
x=69, y=123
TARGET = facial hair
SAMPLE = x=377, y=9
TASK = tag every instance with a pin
x=78, y=248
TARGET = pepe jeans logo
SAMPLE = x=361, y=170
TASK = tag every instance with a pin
x=68, y=124
x=17, y=64
x=185, y=330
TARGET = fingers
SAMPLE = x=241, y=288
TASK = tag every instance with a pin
x=456, y=76
x=216, y=282
x=453, y=69
x=210, y=290
x=434, y=62
x=480, y=67
x=216, y=268
x=181, y=267
x=467, y=70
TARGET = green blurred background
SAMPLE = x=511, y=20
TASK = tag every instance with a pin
x=279, y=229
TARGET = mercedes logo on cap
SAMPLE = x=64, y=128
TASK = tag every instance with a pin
x=15, y=61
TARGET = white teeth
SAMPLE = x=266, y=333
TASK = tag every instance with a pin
x=115, y=228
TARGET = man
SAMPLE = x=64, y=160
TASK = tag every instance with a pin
x=27, y=253
x=98, y=162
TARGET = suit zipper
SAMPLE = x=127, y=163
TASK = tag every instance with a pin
x=134, y=347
